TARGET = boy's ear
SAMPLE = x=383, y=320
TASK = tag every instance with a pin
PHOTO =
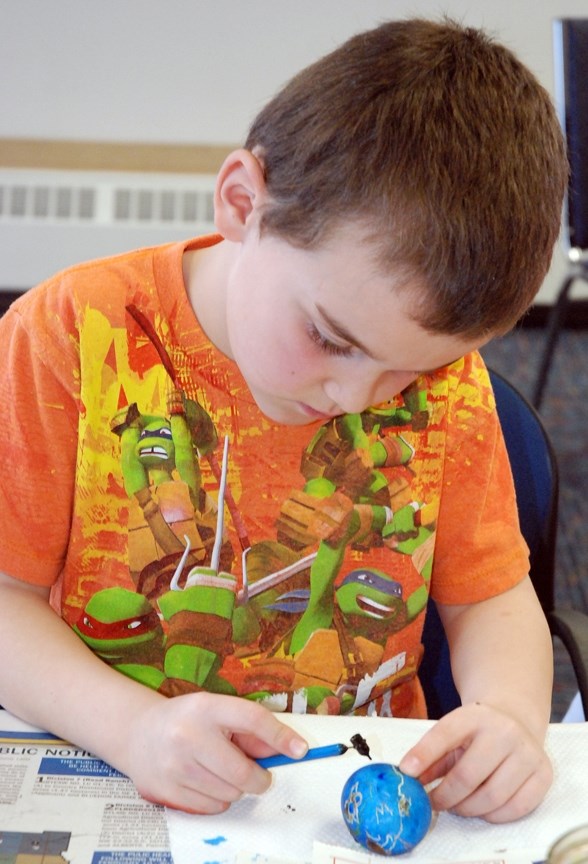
x=239, y=193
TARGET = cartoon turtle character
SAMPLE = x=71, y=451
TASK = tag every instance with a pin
x=124, y=630
x=199, y=616
x=161, y=473
x=411, y=531
x=350, y=450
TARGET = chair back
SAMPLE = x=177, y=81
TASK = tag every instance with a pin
x=570, y=48
x=536, y=481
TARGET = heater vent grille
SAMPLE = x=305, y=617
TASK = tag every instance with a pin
x=142, y=198
x=51, y=219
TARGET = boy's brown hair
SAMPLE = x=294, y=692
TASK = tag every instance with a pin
x=443, y=147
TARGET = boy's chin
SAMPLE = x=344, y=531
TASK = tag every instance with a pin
x=289, y=419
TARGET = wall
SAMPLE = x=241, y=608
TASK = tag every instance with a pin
x=185, y=72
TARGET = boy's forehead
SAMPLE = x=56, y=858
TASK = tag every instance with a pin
x=374, y=307
x=352, y=247
x=382, y=325
x=357, y=253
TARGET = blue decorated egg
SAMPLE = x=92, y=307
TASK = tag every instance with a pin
x=385, y=810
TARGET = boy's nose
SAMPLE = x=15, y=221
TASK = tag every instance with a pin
x=354, y=394
x=353, y=401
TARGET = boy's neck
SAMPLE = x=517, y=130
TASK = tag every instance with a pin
x=205, y=277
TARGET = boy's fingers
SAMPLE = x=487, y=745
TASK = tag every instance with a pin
x=224, y=771
x=215, y=746
x=471, y=793
x=498, y=777
x=432, y=754
x=259, y=723
x=287, y=741
x=218, y=791
x=526, y=799
x=438, y=769
x=447, y=739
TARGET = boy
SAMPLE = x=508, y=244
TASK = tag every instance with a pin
x=394, y=207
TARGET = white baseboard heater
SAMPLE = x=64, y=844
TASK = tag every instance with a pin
x=50, y=219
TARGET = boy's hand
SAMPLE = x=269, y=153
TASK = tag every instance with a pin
x=491, y=765
x=196, y=752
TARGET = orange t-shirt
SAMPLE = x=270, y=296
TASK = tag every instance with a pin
x=116, y=407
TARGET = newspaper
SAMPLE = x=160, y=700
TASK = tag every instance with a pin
x=60, y=803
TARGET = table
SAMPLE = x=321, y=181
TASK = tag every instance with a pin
x=302, y=806
x=60, y=802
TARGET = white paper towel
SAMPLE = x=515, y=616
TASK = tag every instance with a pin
x=303, y=804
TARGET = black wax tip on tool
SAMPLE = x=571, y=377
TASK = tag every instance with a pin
x=358, y=743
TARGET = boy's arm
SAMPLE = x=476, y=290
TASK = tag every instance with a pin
x=490, y=751
x=189, y=752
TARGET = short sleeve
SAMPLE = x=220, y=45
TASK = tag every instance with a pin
x=38, y=371
x=480, y=551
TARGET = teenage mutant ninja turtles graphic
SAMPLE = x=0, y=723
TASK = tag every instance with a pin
x=160, y=464
x=299, y=619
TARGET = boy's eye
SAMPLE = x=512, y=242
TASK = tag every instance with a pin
x=327, y=345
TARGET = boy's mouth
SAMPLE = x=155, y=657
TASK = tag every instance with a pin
x=314, y=414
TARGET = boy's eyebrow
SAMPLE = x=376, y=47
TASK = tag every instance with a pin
x=342, y=332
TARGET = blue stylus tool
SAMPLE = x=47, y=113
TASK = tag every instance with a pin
x=357, y=742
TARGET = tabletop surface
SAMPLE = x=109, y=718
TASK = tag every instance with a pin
x=303, y=805
x=297, y=820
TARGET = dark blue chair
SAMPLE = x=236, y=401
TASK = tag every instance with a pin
x=570, y=49
x=535, y=473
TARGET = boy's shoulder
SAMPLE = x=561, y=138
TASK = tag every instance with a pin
x=101, y=283
x=462, y=395
x=107, y=282
x=465, y=377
